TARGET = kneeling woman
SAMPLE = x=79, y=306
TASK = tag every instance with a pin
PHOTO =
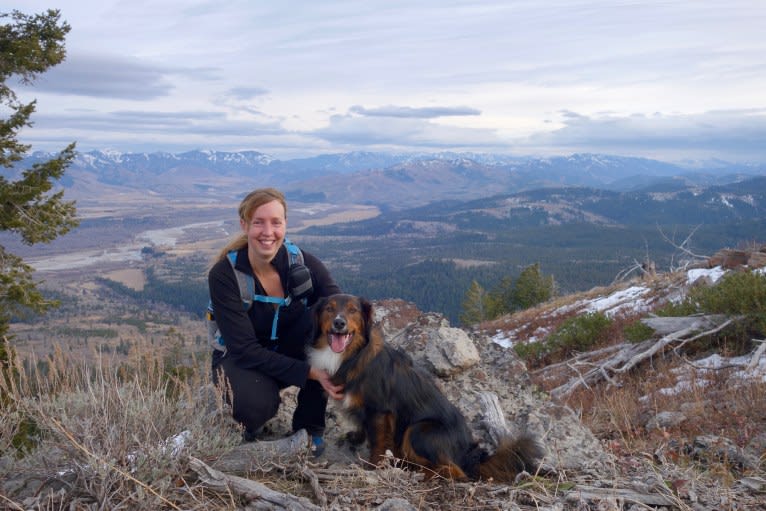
x=265, y=345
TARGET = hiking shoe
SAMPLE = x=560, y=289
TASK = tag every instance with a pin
x=317, y=445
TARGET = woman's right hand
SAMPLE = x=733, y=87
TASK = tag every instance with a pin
x=323, y=377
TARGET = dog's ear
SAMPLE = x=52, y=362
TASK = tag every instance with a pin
x=367, y=315
x=316, y=313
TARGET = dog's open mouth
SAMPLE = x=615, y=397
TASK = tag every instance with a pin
x=339, y=341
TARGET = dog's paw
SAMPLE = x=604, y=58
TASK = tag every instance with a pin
x=356, y=437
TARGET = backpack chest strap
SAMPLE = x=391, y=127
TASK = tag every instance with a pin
x=279, y=302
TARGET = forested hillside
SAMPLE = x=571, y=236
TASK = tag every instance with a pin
x=582, y=237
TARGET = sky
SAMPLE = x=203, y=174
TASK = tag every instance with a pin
x=670, y=80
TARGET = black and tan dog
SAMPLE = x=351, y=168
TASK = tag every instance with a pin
x=397, y=406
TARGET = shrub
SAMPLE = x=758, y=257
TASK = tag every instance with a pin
x=575, y=334
x=736, y=294
x=637, y=332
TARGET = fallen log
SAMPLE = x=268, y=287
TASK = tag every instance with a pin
x=678, y=332
x=250, y=457
x=264, y=497
x=594, y=495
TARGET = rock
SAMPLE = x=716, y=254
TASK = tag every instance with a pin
x=716, y=449
x=396, y=504
x=665, y=420
x=450, y=351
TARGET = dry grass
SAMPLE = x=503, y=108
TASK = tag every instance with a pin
x=706, y=403
x=100, y=433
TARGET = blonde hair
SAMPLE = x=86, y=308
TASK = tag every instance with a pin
x=249, y=204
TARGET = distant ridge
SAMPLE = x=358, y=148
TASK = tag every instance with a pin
x=393, y=180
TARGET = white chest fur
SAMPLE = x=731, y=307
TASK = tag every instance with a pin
x=325, y=359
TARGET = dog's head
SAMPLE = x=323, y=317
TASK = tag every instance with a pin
x=342, y=323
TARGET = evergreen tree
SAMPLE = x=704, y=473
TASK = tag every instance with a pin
x=29, y=45
x=500, y=298
x=474, y=305
x=532, y=288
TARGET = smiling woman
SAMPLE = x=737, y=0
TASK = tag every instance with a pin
x=264, y=338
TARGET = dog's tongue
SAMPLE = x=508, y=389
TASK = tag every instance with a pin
x=338, y=342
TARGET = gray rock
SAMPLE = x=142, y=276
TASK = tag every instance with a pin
x=450, y=351
x=664, y=420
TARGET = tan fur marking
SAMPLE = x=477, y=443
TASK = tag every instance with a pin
x=384, y=437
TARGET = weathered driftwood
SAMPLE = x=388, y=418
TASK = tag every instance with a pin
x=671, y=324
x=679, y=332
x=249, y=457
x=262, y=496
x=754, y=361
x=493, y=418
x=623, y=495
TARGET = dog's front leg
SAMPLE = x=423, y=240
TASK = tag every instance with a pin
x=380, y=433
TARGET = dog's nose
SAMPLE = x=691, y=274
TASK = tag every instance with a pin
x=339, y=323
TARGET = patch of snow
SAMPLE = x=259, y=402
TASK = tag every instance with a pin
x=697, y=273
x=627, y=299
x=503, y=339
x=690, y=378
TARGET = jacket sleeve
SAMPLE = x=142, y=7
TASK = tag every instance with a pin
x=239, y=334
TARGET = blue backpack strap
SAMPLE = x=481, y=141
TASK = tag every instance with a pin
x=295, y=254
x=247, y=284
x=279, y=303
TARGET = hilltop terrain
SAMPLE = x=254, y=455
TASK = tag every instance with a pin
x=683, y=430
x=123, y=362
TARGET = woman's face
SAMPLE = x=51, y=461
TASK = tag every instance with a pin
x=266, y=230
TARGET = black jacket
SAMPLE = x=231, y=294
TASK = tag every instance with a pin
x=247, y=334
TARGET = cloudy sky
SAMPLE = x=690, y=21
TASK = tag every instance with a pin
x=671, y=80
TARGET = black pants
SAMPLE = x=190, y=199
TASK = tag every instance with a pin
x=255, y=399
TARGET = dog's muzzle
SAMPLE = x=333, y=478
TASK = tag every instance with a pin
x=339, y=335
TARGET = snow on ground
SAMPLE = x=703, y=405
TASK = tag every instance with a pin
x=633, y=300
x=626, y=300
x=699, y=375
x=713, y=274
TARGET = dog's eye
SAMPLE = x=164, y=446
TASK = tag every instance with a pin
x=353, y=310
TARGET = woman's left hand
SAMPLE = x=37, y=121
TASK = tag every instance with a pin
x=323, y=377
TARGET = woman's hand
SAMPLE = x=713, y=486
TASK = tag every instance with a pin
x=323, y=377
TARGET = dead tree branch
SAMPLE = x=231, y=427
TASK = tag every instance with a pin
x=249, y=489
x=676, y=333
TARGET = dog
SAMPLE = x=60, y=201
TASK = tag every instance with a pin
x=397, y=406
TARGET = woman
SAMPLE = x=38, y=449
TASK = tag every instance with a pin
x=255, y=364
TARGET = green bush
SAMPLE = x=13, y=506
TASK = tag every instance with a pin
x=577, y=334
x=637, y=332
x=736, y=294
x=580, y=333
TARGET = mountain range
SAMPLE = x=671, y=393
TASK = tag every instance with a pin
x=389, y=180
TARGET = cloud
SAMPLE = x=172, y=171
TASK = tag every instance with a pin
x=402, y=132
x=418, y=113
x=732, y=134
x=244, y=93
x=105, y=77
x=113, y=77
x=210, y=124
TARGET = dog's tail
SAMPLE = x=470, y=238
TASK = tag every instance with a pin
x=513, y=456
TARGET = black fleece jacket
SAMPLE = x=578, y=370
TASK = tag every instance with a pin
x=247, y=334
